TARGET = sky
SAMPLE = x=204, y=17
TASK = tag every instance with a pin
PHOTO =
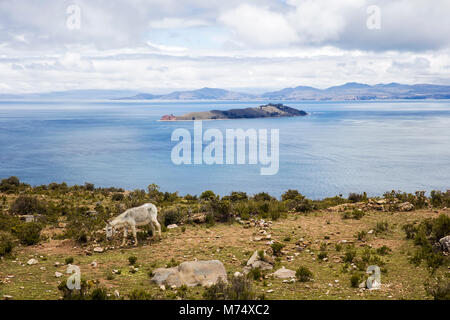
x=157, y=46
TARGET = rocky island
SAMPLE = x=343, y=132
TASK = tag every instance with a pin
x=265, y=111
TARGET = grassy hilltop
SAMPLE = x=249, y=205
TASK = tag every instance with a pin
x=329, y=242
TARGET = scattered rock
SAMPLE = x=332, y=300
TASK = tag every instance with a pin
x=58, y=274
x=99, y=249
x=237, y=274
x=256, y=262
x=172, y=226
x=57, y=264
x=191, y=273
x=284, y=273
x=32, y=261
x=162, y=287
x=406, y=206
x=445, y=243
x=116, y=294
x=7, y=297
x=94, y=264
x=198, y=217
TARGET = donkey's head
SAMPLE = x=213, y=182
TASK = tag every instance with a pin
x=109, y=230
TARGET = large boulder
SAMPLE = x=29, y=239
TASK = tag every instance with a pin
x=445, y=243
x=191, y=273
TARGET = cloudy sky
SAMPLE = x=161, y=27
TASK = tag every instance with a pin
x=249, y=45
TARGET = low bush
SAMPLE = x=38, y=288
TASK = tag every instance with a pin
x=303, y=274
x=276, y=248
x=357, y=197
x=381, y=227
x=6, y=243
x=239, y=288
x=28, y=233
x=355, y=280
x=439, y=288
x=28, y=205
x=132, y=260
x=139, y=294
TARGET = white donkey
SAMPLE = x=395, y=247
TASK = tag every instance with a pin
x=132, y=218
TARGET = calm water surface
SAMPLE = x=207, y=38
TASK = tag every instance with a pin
x=340, y=147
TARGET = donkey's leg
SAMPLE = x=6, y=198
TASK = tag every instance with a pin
x=158, y=226
x=133, y=228
x=125, y=236
x=153, y=229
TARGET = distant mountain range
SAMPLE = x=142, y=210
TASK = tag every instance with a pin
x=348, y=91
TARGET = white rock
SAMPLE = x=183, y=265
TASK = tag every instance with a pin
x=94, y=264
x=99, y=249
x=162, y=287
x=32, y=261
x=172, y=226
x=58, y=274
x=7, y=297
x=237, y=274
x=117, y=294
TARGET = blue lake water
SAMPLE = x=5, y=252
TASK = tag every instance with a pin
x=340, y=147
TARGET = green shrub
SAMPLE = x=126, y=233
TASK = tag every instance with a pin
x=236, y=196
x=355, y=280
x=69, y=260
x=441, y=227
x=357, y=197
x=439, y=288
x=6, y=243
x=303, y=274
x=139, y=294
x=255, y=274
x=10, y=185
x=263, y=196
x=171, y=216
x=381, y=227
x=28, y=233
x=354, y=214
x=322, y=255
x=132, y=260
x=350, y=255
x=361, y=235
x=384, y=250
x=276, y=248
x=207, y=195
x=240, y=288
x=117, y=197
x=28, y=205
x=410, y=230
x=221, y=209
x=99, y=294
x=172, y=263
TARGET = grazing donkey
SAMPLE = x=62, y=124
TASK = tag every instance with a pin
x=132, y=218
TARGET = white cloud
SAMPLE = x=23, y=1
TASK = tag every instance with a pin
x=259, y=26
x=173, y=23
x=157, y=45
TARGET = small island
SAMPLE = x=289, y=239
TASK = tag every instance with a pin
x=265, y=111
